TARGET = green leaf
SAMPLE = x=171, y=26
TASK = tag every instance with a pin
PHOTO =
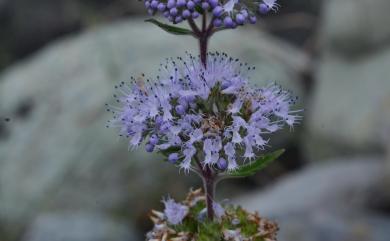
x=253, y=167
x=169, y=28
x=199, y=9
x=170, y=150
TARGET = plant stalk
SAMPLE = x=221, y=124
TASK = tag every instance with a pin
x=209, y=187
x=203, y=44
x=209, y=178
x=209, y=183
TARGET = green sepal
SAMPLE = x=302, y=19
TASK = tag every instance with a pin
x=169, y=28
x=255, y=166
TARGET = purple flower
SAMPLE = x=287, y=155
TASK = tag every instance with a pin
x=174, y=212
x=218, y=210
x=233, y=235
x=177, y=111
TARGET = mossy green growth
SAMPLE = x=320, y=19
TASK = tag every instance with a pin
x=209, y=231
x=235, y=223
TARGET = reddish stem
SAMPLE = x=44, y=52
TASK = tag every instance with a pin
x=209, y=186
x=203, y=44
x=208, y=175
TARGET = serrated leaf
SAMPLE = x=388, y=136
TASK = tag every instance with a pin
x=253, y=167
x=169, y=28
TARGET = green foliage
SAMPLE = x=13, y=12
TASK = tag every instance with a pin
x=253, y=167
x=199, y=9
x=189, y=225
x=248, y=228
x=233, y=222
x=169, y=28
x=197, y=208
x=209, y=231
x=213, y=230
x=170, y=150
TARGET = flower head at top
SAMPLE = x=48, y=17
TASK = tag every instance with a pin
x=227, y=13
x=210, y=115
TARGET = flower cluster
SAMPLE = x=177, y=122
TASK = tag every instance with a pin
x=232, y=224
x=211, y=117
x=227, y=13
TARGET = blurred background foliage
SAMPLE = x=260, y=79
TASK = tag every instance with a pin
x=63, y=176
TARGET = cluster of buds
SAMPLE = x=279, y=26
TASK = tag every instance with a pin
x=231, y=13
x=232, y=224
x=177, y=10
x=226, y=13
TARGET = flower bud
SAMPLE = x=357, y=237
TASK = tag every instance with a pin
x=154, y=4
x=217, y=23
x=263, y=8
x=173, y=158
x=173, y=11
x=240, y=19
x=180, y=110
x=190, y=5
x=149, y=147
x=222, y=164
x=180, y=3
x=153, y=140
x=252, y=19
x=228, y=22
x=213, y=3
x=161, y=7
x=171, y=3
x=186, y=14
x=217, y=11
x=205, y=5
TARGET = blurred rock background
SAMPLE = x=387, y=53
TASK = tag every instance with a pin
x=64, y=176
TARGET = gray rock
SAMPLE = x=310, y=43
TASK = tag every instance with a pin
x=325, y=202
x=55, y=154
x=318, y=187
x=355, y=27
x=350, y=109
x=77, y=226
x=334, y=226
